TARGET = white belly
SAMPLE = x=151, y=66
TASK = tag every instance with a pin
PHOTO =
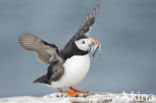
x=76, y=69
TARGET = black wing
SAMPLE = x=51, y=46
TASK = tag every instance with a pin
x=47, y=53
x=86, y=25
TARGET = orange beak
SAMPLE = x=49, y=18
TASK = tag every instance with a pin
x=95, y=41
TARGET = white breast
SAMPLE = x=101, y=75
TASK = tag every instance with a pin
x=76, y=69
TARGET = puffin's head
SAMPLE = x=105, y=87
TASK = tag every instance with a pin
x=84, y=43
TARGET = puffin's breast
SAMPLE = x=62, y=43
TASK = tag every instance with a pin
x=75, y=69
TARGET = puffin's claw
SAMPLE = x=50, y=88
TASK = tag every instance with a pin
x=70, y=93
x=76, y=90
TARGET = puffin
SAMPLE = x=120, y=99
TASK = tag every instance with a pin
x=68, y=66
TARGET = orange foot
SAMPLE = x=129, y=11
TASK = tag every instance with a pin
x=70, y=93
x=76, y=90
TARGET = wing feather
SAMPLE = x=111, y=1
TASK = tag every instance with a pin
x=47, y=53
x=88, y=22
x=86, y=25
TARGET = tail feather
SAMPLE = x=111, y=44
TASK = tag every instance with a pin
x=42, y=79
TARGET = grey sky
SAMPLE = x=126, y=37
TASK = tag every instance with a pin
x=126, y=29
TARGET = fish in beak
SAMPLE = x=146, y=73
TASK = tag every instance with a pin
x=96, y=46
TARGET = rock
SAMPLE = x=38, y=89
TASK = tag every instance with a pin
x=90, y=97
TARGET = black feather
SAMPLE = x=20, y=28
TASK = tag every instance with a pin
x=42, y=79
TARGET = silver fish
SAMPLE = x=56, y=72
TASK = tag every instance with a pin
x=94, y=49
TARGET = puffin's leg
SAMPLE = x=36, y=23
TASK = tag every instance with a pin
x=76, y=90
x=70, y=93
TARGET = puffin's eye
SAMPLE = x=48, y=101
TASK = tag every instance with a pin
x=83, y=42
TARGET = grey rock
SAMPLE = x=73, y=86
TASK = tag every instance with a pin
x=90, y=97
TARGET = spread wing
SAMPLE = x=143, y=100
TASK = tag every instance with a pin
x=47, y=53
x=86, y=24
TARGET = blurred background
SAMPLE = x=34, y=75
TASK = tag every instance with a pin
x=126, y=29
